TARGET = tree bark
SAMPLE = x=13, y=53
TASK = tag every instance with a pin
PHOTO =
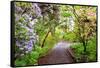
x=45, y=38
x=84, y=45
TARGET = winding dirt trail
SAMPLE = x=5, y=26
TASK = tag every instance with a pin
x=61, y=53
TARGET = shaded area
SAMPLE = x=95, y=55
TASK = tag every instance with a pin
x=61, y=53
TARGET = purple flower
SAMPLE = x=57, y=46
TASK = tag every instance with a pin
x=29, y=46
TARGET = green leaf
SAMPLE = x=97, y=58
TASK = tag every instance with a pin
x=65, y=14
x=35, y=55
x=20, y=63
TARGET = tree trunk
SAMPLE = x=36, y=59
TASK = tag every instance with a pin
x=45, y=38
x=84, y=45
x=84, y=55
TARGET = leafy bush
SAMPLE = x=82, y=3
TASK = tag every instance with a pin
x=30, y=58
x=70, y=37
x=90, y=50
x=78, y=50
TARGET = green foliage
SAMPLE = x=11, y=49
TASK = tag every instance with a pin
x=49, y=44
x=71, y=37
x=91, y=50
x=29, y=59
x=21, y=33
x=20, y=62
x=78, y=51
x=65, y=14
x=22, y=4
x=59, y=31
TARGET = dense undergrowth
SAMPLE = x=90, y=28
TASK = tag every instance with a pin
x=90, y=51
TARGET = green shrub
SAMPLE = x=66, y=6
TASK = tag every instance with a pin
x=70, y=37
x=78, y=50
x=20, y=62
x=90, y=50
